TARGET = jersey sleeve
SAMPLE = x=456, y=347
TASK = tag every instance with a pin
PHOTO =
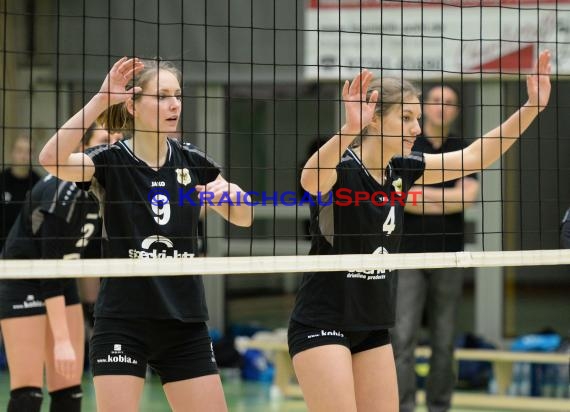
x=204, y=166
x=59, y=199
x=103, y=161
x=409, y=169
x=344, y=171
x=99, y=155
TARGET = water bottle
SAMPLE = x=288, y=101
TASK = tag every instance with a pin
x=514, y=387
x=549, y=379
x=492, y=387
x=525, y=380
x=562, y=389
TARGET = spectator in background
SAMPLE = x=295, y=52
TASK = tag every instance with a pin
x=16, y=180
x=433, y=224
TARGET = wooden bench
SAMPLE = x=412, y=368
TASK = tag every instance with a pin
x=502, y=362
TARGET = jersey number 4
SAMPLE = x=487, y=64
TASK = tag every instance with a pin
x=390, y=222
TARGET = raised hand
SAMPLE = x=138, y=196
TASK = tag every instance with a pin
x=538, y=83
x=115, y=84
x=359, y=111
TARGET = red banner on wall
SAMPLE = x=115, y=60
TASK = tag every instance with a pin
x=428, y=3
x=434, y=39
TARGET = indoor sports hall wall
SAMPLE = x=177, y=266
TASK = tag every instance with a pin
x=252, y=98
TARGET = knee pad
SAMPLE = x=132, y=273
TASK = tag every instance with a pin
x=27, y=399
x=66, y=400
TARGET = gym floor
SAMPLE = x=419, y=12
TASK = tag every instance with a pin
x=272, y=312
x=241, y=397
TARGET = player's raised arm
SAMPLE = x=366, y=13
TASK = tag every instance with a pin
x=319, y=173
x=57, y=156
x=486, y=150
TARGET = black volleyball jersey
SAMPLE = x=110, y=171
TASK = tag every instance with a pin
x=57, y=221
x=356, y=300
x=151, y=214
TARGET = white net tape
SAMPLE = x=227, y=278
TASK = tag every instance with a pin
x=33, y=269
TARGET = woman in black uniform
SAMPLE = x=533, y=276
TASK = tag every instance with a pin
x=338, y=334
x=148, y=188
x=42, y=320
x=89, y=287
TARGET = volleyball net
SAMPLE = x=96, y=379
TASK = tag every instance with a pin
x=261, y=91
x=259, y=265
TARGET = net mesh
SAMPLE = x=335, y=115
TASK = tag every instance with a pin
x=261, y=91
x=252, y=265
x=261, y=88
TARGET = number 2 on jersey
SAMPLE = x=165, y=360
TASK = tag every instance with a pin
x=390, y=222
x=87, y=231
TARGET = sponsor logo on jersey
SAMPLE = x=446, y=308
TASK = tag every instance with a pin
x=183, y=176
x=212, y=357
x=30, y=303
x=397, y=184
x=326, y=333
x=372, y=274
x=331, y=333
x=162, y=247
x=157, y=184
x=117, y=356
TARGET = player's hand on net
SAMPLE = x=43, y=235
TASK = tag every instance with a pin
x=538, y=83
x=114, y=86
x=359, y=110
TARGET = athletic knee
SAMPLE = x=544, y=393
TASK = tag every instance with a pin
x=27, y=399
x=66, y=400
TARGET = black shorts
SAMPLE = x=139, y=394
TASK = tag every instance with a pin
x=22, y=297
x=175, y=350
x=302, y=337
